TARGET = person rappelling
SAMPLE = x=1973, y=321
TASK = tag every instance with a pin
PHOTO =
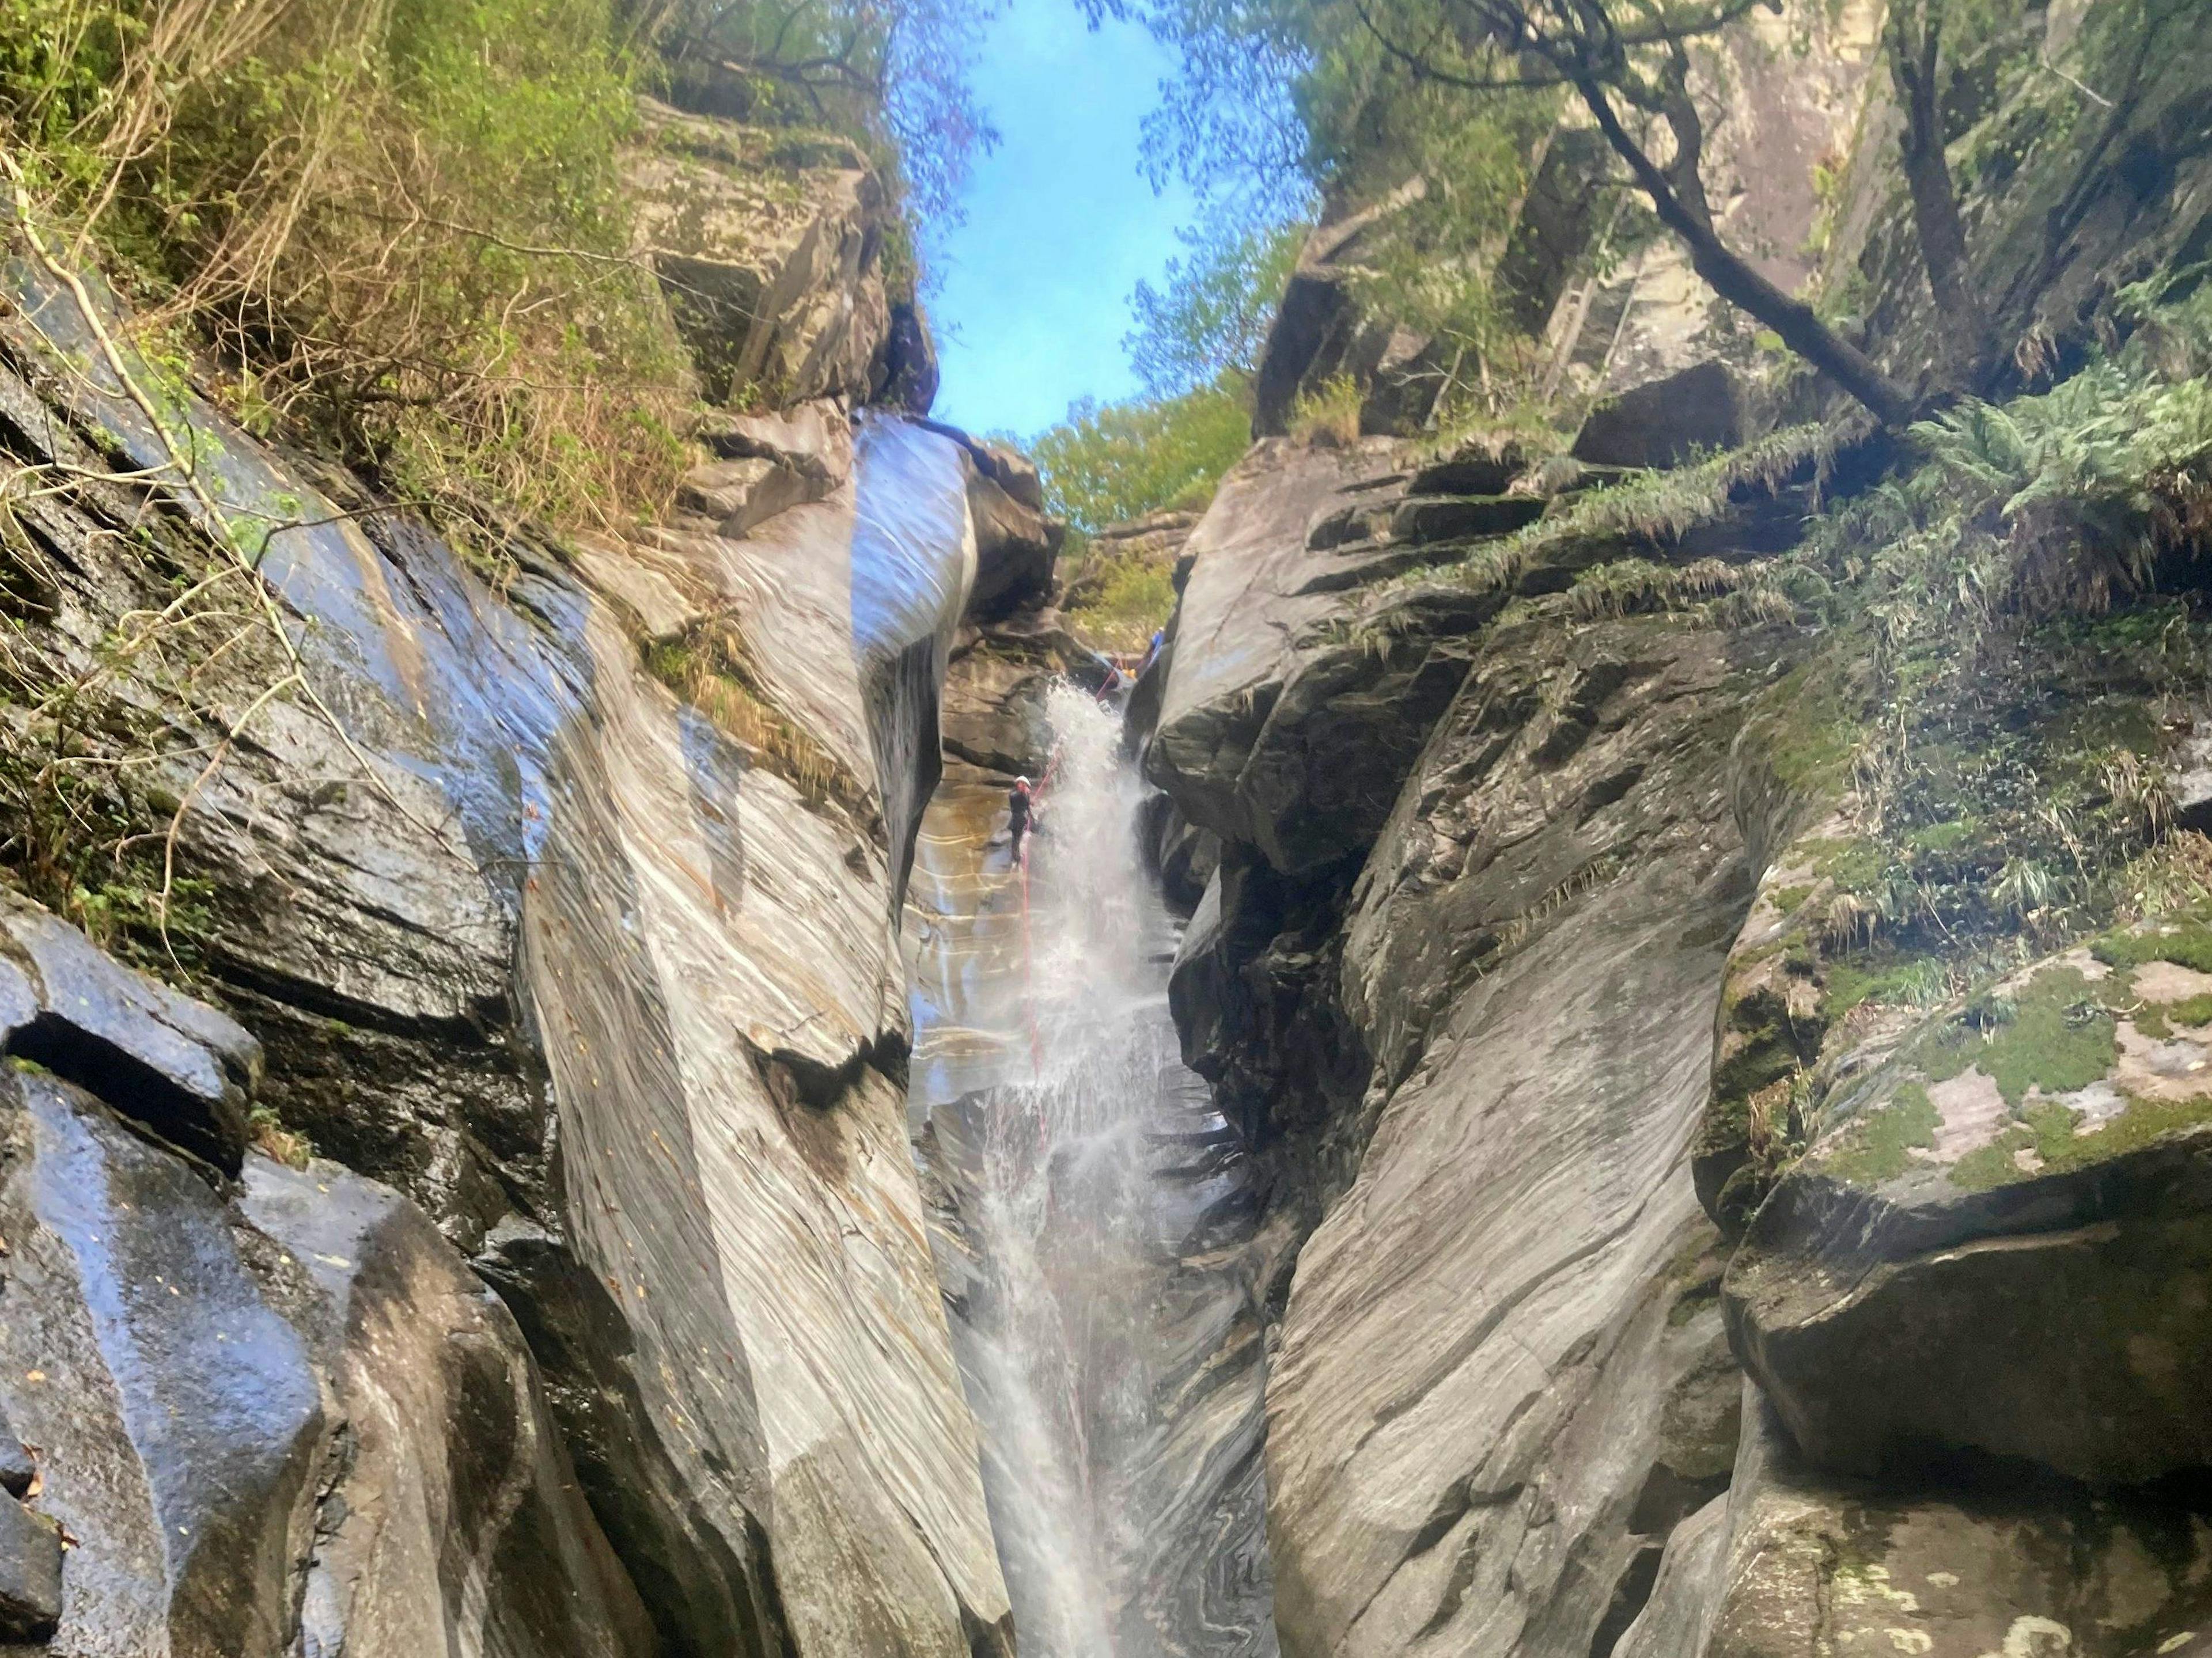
x=1021, y=815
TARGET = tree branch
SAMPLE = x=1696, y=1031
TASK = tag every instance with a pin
x=1735, y=280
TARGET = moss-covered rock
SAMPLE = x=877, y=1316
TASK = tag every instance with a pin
x=1999, y=1238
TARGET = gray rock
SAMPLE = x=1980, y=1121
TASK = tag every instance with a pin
x=1935, y=1272
x=30, y=1573
x=1793, y=1565
x=769, y=248
x=740, y=494
x=813, y=439
x=176, y=1066
x=1500, y=1379
x=1322, y=332
x=18, y=1468
x=542, y=899
x=1668, y=421
x=1450, y=518
x=297, y=1418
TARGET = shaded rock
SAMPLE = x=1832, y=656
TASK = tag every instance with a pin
x=1479, y=467
x=1321, y=332
x=1181, y=854
x=1793, y=1565
x=1665, y=422
x=30, y=1573
x=176, y=1066
x=1445, y=518
x=18, y=1468
x=906, y=371
x=2000, y=1241
x=295, y=1418
x=1253, y=662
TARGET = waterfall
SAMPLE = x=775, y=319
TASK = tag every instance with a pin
x=1120, y=1451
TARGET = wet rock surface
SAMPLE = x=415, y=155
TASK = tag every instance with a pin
x=533, y=899
x=270, y=1410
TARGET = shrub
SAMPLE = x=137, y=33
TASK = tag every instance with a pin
x=400, y=225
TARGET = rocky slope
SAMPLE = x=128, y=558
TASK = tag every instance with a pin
x=1657, y=1260
x=556, y=907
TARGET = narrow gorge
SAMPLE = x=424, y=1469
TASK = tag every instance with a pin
x=1602, y=1049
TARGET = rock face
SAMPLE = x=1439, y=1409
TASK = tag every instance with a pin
x=278, y=1412
x=1999, y=1192
x=1652, y=1264
x=769, y=245
x=608, y=981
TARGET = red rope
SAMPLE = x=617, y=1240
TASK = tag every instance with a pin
x=1029, y=966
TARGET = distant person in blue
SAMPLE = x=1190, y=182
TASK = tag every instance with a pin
x=1159, y=643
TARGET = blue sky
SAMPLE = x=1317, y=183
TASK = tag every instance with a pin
x=1033, y=295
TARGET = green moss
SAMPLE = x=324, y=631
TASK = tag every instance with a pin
x=1855, y=866
x=2185, y=943
x=1878, y=1147
x=1943, y=836
x=2198, y=1010
x=1914, y=980
x=1788, y=898
x=2049, y=1131
x=2055, y=1036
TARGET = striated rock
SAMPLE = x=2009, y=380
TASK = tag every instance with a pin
x=293, y=1416
x=1998, y=1242
x=538, y=896
x=1501, y=1381
x=813, y=439
x=768, y=245
x=740, y=494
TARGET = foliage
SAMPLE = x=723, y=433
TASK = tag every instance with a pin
x=1118, y=606
x=1212, y=317
x=401, y=223
x=894, y=71
x=1106, y=463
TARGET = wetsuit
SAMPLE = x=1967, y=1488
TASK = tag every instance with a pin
x=1017, y=818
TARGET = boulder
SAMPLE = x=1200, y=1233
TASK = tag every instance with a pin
x=1668, y=421
x=1794, y=1563
x=768, y=245
x=176, y=1066
x=1999, y=1243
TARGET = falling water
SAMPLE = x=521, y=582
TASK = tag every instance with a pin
x=1048, y=1066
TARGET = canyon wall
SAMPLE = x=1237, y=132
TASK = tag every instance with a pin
x=1653, y=1263
x=528, y=1256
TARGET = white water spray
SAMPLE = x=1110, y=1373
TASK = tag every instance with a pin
x=1048, y=1063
